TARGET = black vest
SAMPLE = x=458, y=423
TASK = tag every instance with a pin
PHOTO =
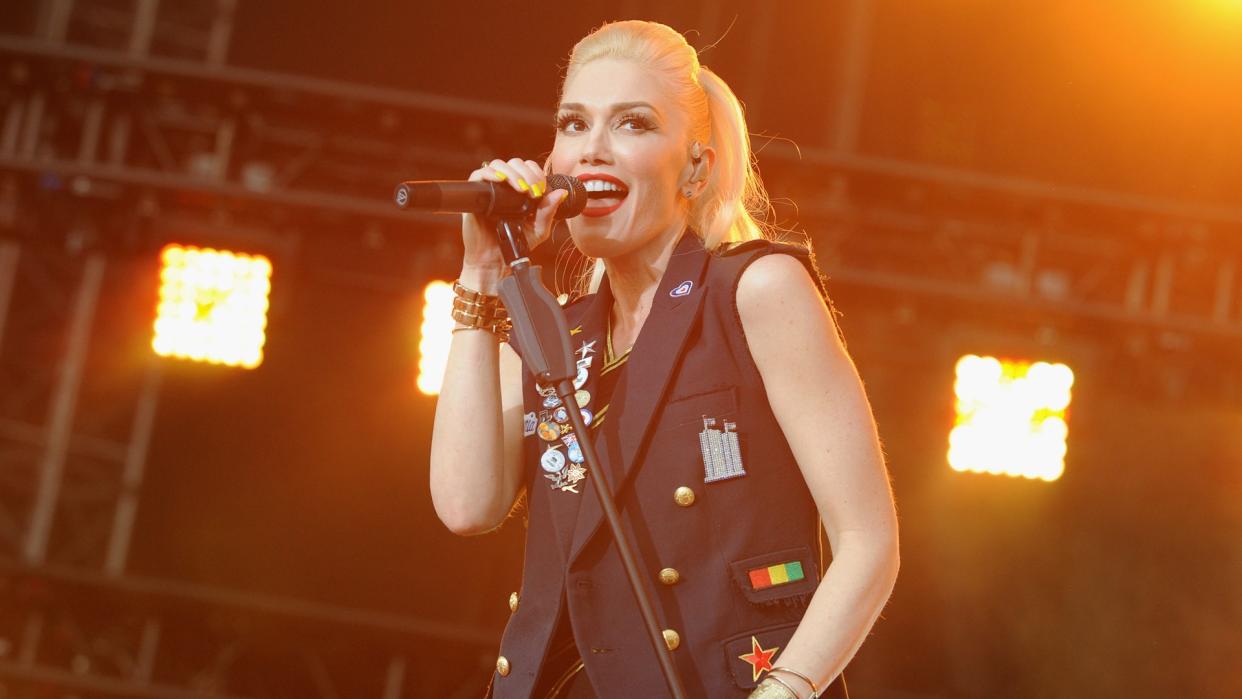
x=706, y=485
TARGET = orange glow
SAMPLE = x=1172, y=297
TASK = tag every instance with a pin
x=212, y=306
x=435, y=336
x=1010, y=417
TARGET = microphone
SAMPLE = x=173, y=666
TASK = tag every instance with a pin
x=492, y=199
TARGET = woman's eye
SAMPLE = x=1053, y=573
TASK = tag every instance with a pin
x=635, y=123
x=570, y=124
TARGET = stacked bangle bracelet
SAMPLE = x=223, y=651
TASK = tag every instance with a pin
x=810, y=683
x=474, y=309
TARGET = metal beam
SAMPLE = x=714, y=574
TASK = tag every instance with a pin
x=60, y=417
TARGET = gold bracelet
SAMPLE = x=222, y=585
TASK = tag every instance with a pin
x=773, y=688
x=495, y=311
x=799, y=675
x=464, y=292
x=474, y=309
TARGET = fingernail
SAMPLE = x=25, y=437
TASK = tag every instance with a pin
x=522, y=185
x=541, y=189
x=500, y=175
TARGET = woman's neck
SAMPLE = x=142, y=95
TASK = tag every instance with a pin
x=633, y=278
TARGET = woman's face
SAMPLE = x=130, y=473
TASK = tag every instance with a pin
x=619, y=127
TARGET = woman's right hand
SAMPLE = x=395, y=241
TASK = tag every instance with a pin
x=483, y=263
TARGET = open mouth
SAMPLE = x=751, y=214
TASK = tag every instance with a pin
x=604, y=196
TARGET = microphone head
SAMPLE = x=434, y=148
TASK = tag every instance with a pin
x=577, y=199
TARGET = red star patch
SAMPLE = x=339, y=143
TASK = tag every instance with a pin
x=759, y=659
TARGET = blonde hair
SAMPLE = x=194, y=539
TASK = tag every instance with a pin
x=733, y=206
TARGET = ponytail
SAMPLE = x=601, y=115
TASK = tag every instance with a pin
x=734, y=203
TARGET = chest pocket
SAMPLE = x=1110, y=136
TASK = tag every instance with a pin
x=701, y=433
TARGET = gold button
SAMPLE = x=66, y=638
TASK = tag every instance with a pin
x=502, y=666
x=513, y=601
x=683, y=496
x=672, y=639
x=670, y=576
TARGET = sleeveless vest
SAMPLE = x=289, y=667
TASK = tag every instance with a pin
x=707, y=488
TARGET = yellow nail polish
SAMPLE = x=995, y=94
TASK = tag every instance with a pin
x=540, y=189
x=501, y=175
x=523, y=186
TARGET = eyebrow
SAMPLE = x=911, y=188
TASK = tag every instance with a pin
x=618, y=107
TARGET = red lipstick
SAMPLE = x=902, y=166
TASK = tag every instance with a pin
x=596, y=210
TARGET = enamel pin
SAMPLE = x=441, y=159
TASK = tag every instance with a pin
x=552, y=461
x=759, y=658
x=549, y=431
x=529, y=423
x=565, y=469
x=682, y=289
x=722, y=456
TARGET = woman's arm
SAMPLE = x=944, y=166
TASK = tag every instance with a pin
x=477, y=438
x=818, y=399
x=476, y=442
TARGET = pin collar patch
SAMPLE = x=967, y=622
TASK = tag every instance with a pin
x=722, y=454
x=760, y=659
x=682, y=289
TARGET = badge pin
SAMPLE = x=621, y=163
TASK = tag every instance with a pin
x=582, y=397
x=587, y=416
x=574, y=474
x=682, y=289
x=573, y=449
x=551, y=401
x=561, y=415
x=549, y=431
x=581, y=379
x=529, y=423
x=552, y=461
x=722, y=456
x=587, y=349
x=759, y=658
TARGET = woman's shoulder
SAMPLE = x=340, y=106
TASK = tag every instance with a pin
x=733, y=261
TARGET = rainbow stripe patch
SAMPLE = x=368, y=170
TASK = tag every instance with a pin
x=779, y=574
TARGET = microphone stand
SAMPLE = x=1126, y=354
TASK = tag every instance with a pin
x=543, y=334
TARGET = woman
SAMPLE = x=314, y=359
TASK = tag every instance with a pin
x=717, y=390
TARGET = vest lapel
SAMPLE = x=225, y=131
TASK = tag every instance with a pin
x=641, y=389
x=591, y=327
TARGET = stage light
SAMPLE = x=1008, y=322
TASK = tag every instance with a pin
x=212, y=306
x=1010, y=417
x=435, y=336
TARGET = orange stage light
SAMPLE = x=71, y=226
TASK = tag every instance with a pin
x=1010, y=417
x=435, y=336
x=212, y=306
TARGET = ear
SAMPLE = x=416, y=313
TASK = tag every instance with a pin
x=702, y=170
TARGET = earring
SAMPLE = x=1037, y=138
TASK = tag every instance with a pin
x=688, y=192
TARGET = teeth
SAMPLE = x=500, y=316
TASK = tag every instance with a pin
x=602, y=186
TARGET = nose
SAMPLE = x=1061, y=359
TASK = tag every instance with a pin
x=598, y=148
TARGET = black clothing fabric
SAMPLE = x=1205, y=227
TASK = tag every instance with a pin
x=706, y=486
x=561, y=676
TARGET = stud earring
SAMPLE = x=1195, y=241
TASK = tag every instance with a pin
x=688, y=192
